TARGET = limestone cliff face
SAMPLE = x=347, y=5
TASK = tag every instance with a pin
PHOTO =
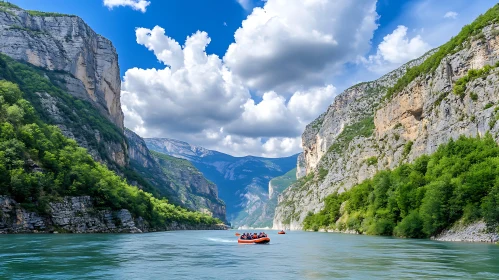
x=415, y=121
x=78, y=61
x=301, y=166
x=351, y=106
x=66, y=43
x=175, y=178
x=76, y=215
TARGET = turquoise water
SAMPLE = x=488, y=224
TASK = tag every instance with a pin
x=216, y=255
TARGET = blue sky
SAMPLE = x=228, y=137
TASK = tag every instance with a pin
x=256, y=85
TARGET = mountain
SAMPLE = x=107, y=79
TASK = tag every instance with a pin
x=68, y=77
x=175, y=178
x=242, y=182
x=380, y=125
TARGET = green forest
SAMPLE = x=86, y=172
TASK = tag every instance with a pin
x=38, y=165
x=459, y=182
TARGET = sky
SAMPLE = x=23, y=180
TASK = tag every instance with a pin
x=245, y=77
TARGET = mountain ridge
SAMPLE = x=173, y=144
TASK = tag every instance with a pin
x=243, y=182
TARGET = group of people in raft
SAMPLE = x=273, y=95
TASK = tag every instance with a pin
x=249, y=236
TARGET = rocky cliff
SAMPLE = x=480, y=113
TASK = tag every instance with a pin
x=262, y=217
x=175, y=178
x=77, y=60
x=366, y=129
x=76, y=215
x=66, y=43
x=242, y=182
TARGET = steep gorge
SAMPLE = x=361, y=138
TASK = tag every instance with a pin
x=243, y=182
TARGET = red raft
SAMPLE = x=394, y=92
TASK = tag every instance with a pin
x=263, y=240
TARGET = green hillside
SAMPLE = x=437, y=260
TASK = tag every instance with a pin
x=458, y=182
x=38, y=164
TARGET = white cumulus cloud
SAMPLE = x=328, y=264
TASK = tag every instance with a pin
x=290, y=44
x=197, y=92
x=395, y=49
x=398, y=48
x=139, y=5
x=273, y=80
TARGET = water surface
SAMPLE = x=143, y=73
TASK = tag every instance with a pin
x=216, y=255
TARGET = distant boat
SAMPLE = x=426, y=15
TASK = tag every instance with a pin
x=281, y=232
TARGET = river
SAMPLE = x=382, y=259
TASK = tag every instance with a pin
x=216, y=255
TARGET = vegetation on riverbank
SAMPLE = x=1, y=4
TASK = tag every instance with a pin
x=457, y=182
x=38, y=164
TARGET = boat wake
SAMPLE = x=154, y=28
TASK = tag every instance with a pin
x=221, y=240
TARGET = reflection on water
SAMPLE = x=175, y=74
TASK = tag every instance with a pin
x=216, y=255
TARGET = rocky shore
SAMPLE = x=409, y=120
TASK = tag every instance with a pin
x=475, y=232
x=78, y=215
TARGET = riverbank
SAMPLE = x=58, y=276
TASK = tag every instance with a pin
x=474, y=232
x=78, y=215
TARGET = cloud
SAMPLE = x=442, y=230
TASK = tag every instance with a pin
x=197, y=92
x=293, y=44
x=246, y=4
x=398, y=48
x=138, y=5
x=395, y=49
x=284, y=54
x=273, y=147
x=274, y=116
x=452, y=15
x=197, y=99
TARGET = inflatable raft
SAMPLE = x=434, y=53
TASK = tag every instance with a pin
x=281, y=232
x=263, y=240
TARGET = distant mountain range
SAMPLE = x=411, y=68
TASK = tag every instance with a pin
x=243, y=182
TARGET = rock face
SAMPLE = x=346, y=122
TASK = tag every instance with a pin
x=413, y=122
x=66, y=43
x=301, y=166
x=73, y=214
x=175, y=178
x=242, y=181
x=76, y=215
x=277, y=185
x=79, y=61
